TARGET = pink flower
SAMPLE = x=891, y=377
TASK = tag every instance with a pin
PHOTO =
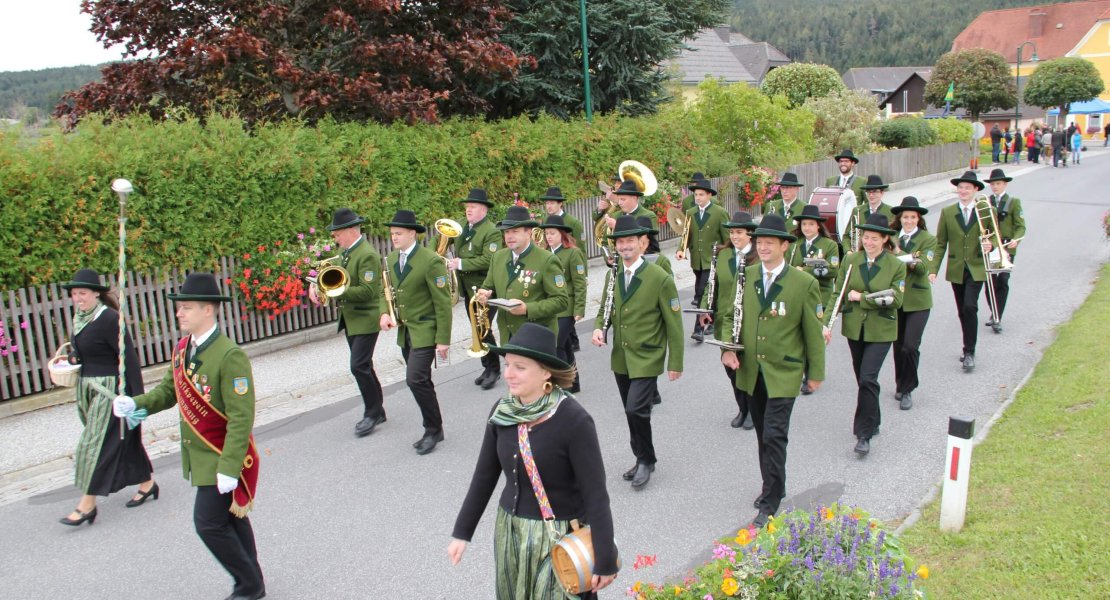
x=327, y=247
x=24, y=325
x=312, y=230
x=300, y=236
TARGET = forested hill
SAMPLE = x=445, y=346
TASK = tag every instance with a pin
x=863, y=33
x=41, y=89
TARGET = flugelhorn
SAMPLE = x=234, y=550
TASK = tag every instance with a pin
x=448, y=230
x=479, y=325
x=331, y=281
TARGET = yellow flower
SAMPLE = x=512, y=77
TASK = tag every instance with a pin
x=771, y=527
x=729, y=586
x=677, y=590
x=829, y=514
x=923, y=572
x=637, y=586
x=743, y=537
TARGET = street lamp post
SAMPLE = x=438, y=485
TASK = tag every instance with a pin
x=1017, y=82
x=586, y=61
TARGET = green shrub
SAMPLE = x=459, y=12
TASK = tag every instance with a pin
x=903, y=132
x=951, y=129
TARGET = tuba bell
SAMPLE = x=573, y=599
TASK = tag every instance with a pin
x=639, y=174
x=448, y=229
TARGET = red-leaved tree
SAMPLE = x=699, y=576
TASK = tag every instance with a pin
x=271, y=59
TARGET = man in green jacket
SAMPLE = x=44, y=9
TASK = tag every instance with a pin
x=422, y=303
x=706, y=225
x=211, y=382
x=1011, y=226
x=358, y=312
x=789, y=206
x=474, y=249
x=627, y=197
x=846, y=163
x=782, y=336
x=688, y=199
x=646, y=318
x=526, y=277
x=874, y=190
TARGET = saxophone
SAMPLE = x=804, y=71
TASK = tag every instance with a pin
x=737, y=311
x=607, y=313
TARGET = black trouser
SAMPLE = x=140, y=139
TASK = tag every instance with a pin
x=771, y=417
x=490, y=361
x=636, y=394
x=564, y=346
x=967, y=307
x=1034, y=154
x=362, y=367
x=907, y=349
x=229, y=538
x=737, y=393
x=418, y=376
x=1001, y=290
x=701, y=279
x=1058, y=155
x=867, y=361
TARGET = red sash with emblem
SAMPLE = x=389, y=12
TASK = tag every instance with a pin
x=210, y=425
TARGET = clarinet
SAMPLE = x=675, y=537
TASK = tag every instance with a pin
x=712, y=277
x=738, y=302
x=607, y=315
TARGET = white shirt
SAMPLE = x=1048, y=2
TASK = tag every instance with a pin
x=774, y=272
x=844, y=179
x=198, y=340
x=355, y=243
x=403, y=258
x=516, y=256
x=632, y=268
x=908, y=233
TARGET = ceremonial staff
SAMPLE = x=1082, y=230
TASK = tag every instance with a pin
x=122, y=188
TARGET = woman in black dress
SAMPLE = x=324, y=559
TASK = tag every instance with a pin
x=104, y=462
x=567, y=456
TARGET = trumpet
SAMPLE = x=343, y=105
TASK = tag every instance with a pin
x=737, y=311
x=331, y=281
x=479, y=325
x=448, y=230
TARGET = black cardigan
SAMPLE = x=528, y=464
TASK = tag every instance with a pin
x=568, y=458
x=97, y=349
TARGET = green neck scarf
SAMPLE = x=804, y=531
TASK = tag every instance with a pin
x=510, y=411
x=81, y=318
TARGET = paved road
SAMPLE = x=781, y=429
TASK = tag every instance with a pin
x=340, y=517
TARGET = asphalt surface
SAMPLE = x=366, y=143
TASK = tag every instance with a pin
x=340, y=517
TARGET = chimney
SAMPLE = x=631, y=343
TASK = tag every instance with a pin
x=1036, y=23
x=723, y=32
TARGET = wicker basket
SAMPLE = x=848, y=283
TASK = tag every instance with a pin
x=62, y=373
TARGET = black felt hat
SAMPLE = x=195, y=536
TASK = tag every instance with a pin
x=789, y=180
x=556, y=222
x=998, y=175
x=741, y=220
x=968, y=177
x=702, y=184
x=628, y=188
x=697, y=176
x=201, y=287
x=534, y=341
x=645, y=224
x=846, y=153
x=773, y=226
x=874, y=182
x=87, y=279
x=478, y=196
x=810, y=211
x=909, y=203
x=517, y=216
x=627, y=227
x=406, y=219
x=344, y=218
x=553, y=193
x=877, y=223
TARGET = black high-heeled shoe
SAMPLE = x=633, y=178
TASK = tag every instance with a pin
x=153, y=491
x=85, y=516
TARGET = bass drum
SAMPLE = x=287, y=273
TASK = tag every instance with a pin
x=836, y=206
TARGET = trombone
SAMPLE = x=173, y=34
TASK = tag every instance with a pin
x=448, y=230
x=997, y=260
x=331, y=281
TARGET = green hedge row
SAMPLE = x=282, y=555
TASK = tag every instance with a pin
x=217, y=189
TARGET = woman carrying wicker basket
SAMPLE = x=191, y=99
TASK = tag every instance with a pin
x=105, y=461
x=545, y=444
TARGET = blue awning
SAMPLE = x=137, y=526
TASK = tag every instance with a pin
x=1089, y=107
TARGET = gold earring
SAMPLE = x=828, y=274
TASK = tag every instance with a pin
x=547, y=387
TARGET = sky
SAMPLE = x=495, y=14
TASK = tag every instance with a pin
x=40, y=34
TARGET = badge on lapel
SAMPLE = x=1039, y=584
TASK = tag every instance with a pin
x=241, y=385
x=675, y=306
x=560, y=281
x=368, y=276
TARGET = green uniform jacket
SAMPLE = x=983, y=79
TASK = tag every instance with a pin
x=875, y=323
x=919, y=292
x=863, y=212
x=647, y=323
x=822, y=247
x=359, y=306
x=574, y=273
x=688, y=202
x=660, y=261
x=777, y=207
x=724, y=294
x=642, y=212
x=960, y=242
x=537, y=280
x=476, y=246
x=780, y=345
x=422, y=297
x=704, y=233
x=219, y=363
x=576, y=230
x=1011, y=219
x=856, y=183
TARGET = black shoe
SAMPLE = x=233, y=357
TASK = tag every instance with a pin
x=969, y=362
x=491, y=380
x=657, y=399
x=428, y=443
x=748, y=424
x=481, y=377
x=738, y=420
x=708, y=329
x=989, y=323
x=366, y=426
x=997, y=327
x=574, y=346
x=760, y=520
x=697, y=336
x=642, y=475
x=898, y=396
x=257, y=596
x=153, y=491
x=863, y=446
x=755, y=504
x=906, y=402
x=806, y=390
x=629, y=474
x=85, y=516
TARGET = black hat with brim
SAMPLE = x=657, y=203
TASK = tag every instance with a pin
x=968, y=177
x=741, y=220
x=478, y=196
x=200, y=287
x=874, y=182
x=344, y=218
x=407, y=220
x=645, y=224
x=702, y=184
x=87, y=279
x=517, y=216
x=773, y=226
x=846, y=153
x=998, y=175
x=553, y=193
x=877, y=223
x=627, y=227
x=698, y=176
x=789, y=180
x=556, y=222
x=909, y=203
x=534, y=341
x=810, y=211
x=628, y=188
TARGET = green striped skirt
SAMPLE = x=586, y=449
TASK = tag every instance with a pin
x=522, y=555
x=103, y=462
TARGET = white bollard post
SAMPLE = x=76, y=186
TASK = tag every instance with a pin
x=957, y=471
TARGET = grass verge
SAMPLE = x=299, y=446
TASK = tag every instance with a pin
x=1039, y=501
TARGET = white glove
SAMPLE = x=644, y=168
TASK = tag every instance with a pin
x=123, y=406
x=226, y=484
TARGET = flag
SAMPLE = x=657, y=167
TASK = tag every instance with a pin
x=951, y=92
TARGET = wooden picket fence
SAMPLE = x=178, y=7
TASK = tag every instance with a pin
x=38, y=320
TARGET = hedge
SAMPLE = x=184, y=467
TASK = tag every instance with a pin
x=903, y=132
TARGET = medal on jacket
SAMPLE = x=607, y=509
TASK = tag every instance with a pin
x=774, y=309
x=782, y=309
x=527, y=278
